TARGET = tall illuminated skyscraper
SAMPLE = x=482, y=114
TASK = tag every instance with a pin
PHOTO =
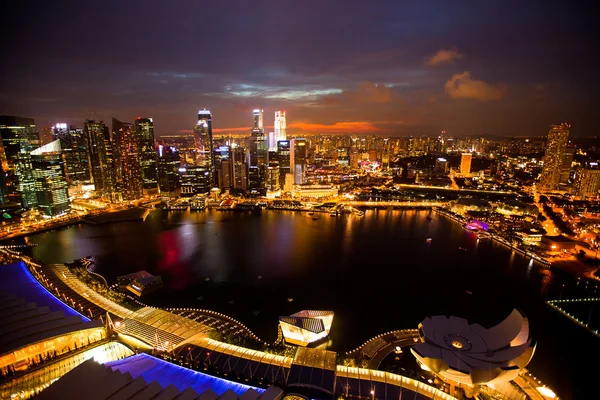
x=298, y=153
x=258, y=115
x=144, y=129
x=465, y=163
x=279, y=130
x=203, y=143
x=99, y=148
x=127, y=160
x=258, y=155
x=19, y=138
x=556, y=145
x=74, y=153
x=50, y=181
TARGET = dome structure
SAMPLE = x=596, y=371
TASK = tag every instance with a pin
x=471, y=354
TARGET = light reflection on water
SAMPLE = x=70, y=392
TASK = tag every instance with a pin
x=377, y=272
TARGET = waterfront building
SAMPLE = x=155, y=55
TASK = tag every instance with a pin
x=224, y=167
x=140, y=283
x=239, y=168
x=50, y=181
x=168, y=172
x=465, y=164
x=19, y=138
x=193, y=180
x=306, y=327
x=313, y=191
x=587, y=182
x=127, y=160
x=464, y=204
x=283, y=156
x=470, y=355
x=74, y=153
x=556, y=145
x=99, y=149
x=144, y=129
x=204, y=156
x=298, y=156
x=272, y=178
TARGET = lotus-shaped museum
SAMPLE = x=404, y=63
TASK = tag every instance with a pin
x=471, y=354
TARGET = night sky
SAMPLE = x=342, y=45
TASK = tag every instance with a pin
x=389, y=67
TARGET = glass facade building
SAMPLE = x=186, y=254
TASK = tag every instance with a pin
x=50, y=180
x=19, y=138
x=144, y=128
x=204, y=156
x=74, y=153
x=127, y=160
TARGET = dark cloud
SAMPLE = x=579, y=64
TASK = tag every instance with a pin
x=326, y=63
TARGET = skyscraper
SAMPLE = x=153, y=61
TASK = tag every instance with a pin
x=127, y=160
x=50, y=179
x=279, y=129
x=587, y=182
x=74, y=153
x=144, y=129
x=203, y=143
x=283, y=155
x=19, y=138
x=465, y=163
x=298, y=153
x=240, y=168
x=258, y=115
x=101, y=159
x=556, y=144
x=168, y=171
x=258, y=155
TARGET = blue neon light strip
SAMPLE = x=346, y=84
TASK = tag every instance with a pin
x=16, y=279
x=153, y=369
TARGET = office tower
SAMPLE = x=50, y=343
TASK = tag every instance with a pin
x=19, y=138
x=101, y=158
x=168, y=165
x=203, y=143
x=565, y=165
x=50, y=180
x=279, y=128
x=258, y=155
x=224, y=167
x=239, y=168
x=144, y=129
x=127, y=160
x=74, y=153
x=587, y=182
x=465, y=163
x=258, y=120
x=283, y=156
x=298, y=153
x=556, y=144
x=272, y=178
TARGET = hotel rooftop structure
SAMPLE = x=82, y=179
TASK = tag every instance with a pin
x=61, y=339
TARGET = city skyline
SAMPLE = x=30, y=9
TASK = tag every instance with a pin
x=410, y=69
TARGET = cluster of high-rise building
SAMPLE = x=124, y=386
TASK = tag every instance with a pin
x=121, y=165
x=125, y=163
